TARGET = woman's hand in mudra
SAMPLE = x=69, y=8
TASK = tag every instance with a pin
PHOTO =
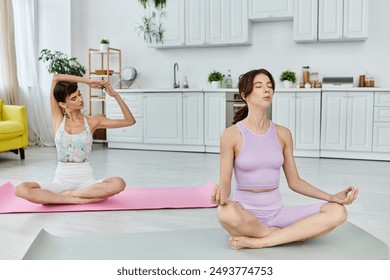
x=345, y=197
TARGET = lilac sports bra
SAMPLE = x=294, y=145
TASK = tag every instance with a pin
x=258, y=164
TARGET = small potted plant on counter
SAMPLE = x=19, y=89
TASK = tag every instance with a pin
x=288, y=78
x=104, y=43
x=215, y=78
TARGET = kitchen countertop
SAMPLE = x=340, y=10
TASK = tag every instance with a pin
x=357, y=89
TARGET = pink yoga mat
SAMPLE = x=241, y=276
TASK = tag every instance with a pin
x=129, y=199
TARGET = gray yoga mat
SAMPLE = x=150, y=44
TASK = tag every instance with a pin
x=347, y=242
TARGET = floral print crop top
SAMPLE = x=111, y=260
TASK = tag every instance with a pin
x=73, y=147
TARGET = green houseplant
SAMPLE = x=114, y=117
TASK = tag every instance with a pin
x=215, y=78
x=60, y=63
x=288, y=78
x=151, y=27
x=104, y=44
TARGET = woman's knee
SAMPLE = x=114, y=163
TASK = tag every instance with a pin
x=228, y=215
x=118, y=184
x=24, y=189
x=337, y=212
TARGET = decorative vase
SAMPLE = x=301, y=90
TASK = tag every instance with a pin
x=287, y=84
x=216, y=84
x=103, y=47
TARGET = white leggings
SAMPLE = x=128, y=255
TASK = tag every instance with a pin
x=70, y=176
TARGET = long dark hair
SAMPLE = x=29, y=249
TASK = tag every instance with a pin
x=63, y=90
x=245, y=88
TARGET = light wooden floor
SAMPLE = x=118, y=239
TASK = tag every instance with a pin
x=154, y=169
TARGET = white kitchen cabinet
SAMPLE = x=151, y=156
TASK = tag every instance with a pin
x=193, y=118
x=174, y=25
x=382, y=99
x=227, y=22
x=217, y=28
x=300, y=112
x=347, y=121
x=356, y=19
x=163, y=118
x=330, y=20
x=239, y=28
x=308, y=121
x=334, y=120
x=359, y=121
x=202, y=23
x=283, y=110
x=129, y=134
x=343, y=20
x=264, y=10
x=305, y=20
x=215, y=119
x=195, y=19
x=330, y=17
x=381, y=137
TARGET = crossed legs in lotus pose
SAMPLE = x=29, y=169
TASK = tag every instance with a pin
x=247, y=232
x=97, y=192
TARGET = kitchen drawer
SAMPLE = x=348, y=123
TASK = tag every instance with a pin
x=381, y=140
x=382, y=114
x=382, y=98
x=128, y=134
x=133, y=101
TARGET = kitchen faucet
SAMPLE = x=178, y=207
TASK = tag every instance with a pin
x=175, y=84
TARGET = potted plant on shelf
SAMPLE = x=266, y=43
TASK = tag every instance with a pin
x=215, y=78
x=288, y=78
x=104, y=44
x=60, y=63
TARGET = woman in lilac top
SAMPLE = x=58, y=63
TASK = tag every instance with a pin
x=256, y=149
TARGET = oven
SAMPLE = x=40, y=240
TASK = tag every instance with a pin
x=233, y=104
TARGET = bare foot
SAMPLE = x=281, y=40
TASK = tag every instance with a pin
x=272, y=229
x=239, y=242
x=84, y=200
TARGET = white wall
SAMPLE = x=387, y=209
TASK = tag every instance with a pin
x=273, y=46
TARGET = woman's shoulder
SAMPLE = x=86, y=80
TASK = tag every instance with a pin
x=231, y=131
x=283, y=132
x=231, y=134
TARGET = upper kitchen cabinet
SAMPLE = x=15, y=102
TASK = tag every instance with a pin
x=227, y=22
x=305, y=20
x=202, y=23
x=195, y=22
x=173, y=23
x=264, y=10
x=330, y=20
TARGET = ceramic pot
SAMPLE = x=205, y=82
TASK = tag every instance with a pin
x=216, y=84
x=103, y=47
x=287, y=84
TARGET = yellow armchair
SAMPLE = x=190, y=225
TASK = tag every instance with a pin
x=13, y=129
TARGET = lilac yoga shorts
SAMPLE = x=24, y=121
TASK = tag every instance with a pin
x=269, y=209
